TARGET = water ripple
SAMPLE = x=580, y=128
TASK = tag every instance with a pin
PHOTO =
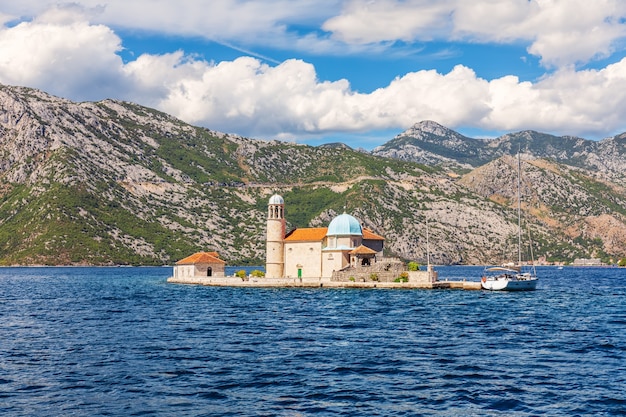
x=120, y=341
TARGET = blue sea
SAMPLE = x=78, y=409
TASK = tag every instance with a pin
x=124, y=342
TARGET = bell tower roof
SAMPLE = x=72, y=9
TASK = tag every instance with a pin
x=276, y=199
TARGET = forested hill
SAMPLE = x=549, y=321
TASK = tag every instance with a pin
x=116, y=183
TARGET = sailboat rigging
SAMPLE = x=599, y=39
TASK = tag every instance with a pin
x=512, y=278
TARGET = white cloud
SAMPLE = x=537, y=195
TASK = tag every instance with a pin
x=258, y=22
x=577, y=102
x=242, y=96
x=560, y=32
x=363, y=21
x=248, y=97
x=62, y=53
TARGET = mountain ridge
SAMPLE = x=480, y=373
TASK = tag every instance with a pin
x=429, y=142
x=111, y=182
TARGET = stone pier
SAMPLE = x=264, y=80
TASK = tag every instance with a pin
x=323, y=283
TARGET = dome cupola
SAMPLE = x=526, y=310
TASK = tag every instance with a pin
x=344, y=225
x=276, y=199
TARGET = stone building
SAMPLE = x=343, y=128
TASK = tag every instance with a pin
x=200, y=264
x=317, y=252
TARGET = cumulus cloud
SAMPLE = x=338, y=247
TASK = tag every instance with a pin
x=567, y=101
x=243, y=95
x=249, y=97
x=62, y=53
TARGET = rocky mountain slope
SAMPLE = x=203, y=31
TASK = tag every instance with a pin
x=116, y=183
x=565, y=201
x=430, y=143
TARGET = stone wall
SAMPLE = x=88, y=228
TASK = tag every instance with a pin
x=423, y=276
x=385, y=270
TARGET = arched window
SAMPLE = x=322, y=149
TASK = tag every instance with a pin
x=209, y=271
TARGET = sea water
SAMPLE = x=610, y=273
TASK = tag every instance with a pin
x=123, y=342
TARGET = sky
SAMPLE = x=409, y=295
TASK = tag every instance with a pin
x=318, y=71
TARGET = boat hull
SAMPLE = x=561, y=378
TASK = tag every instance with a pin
x=508, y=284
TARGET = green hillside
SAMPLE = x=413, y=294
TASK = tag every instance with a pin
x=116, y=183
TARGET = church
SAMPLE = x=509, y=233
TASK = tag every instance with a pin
x=317, y=252
x=343, y=255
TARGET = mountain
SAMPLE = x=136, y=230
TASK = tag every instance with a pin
x=562, y=200
x=112, y=182
x=433, y=144
x=430, y=143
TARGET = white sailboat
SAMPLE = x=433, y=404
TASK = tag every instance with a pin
x=501, y=278
x=512, y=278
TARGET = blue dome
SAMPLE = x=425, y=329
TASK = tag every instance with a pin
x=276, y=199
x=343, y=225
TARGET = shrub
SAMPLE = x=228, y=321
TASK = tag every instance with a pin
x=374, y=277
x=351, y=279
x=241, y=273
x=258, y=274
x=404, y=277
x=622, y=262
x=413, y=266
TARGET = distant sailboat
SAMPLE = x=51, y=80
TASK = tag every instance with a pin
x=512, y=278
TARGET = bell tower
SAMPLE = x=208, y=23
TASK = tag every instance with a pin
x=275, y=257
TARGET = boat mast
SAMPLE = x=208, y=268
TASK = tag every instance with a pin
x=427, y=247
x=429, y=267
x=519, y=207
x=519, y=218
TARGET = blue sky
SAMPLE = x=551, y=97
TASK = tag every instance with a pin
x=358, y=71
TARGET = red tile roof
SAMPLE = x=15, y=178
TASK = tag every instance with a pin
x=362, y=250
x=307, y=234
x=369, y=235
x=201, y=258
